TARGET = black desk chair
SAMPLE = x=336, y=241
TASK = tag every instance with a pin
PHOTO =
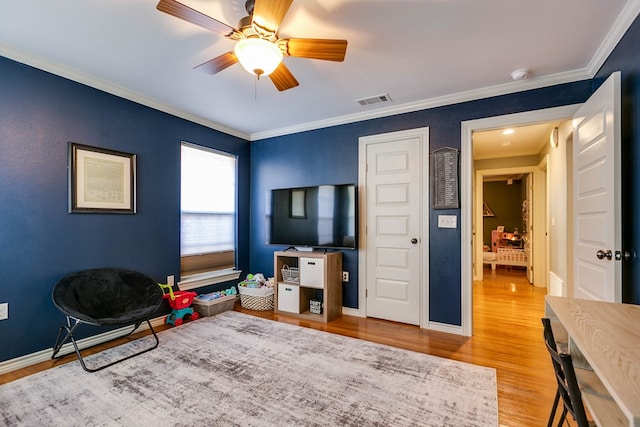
x=105, y=297
x=568, y=388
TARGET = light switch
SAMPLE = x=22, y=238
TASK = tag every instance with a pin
x=447, y=221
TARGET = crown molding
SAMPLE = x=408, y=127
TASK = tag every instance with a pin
x=96, y=83
x=497, y=90
x=618, y=30
x=622, y=24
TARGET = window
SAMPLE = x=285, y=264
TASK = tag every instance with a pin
x=207, y=213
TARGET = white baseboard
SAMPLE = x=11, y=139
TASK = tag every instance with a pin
x=44, y=355
x=352, y=312
x=444, y=327
x=440, y=327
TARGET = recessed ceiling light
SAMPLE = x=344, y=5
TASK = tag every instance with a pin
x=508, y=131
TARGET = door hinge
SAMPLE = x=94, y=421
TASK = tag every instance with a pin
x=366, y=293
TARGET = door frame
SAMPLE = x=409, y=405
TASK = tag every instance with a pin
x=466, y=193
x=423, y=135
x=540, y=208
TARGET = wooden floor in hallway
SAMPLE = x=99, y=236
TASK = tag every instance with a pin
x=507, y=336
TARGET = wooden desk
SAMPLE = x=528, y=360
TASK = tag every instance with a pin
x=604, y=342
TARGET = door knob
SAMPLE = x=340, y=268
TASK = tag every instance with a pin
x=602, y=254
x=414, y=241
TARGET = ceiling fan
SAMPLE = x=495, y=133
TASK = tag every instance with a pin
x=259, y=49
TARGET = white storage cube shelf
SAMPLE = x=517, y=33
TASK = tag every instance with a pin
x=312, y=272
x=318, y=281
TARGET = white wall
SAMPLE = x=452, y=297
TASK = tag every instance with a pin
x=558, y=169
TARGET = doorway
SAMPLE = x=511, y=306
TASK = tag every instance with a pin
x=505, y=209
x=469, y=182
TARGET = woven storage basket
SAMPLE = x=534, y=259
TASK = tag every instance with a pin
x=260, y=299
x=212, y=307
x=290, y=274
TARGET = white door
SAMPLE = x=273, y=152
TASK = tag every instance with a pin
x=527, y=214
x=394, y=209
x=596, y=199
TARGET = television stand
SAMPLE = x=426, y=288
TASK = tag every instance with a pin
x=319, y=278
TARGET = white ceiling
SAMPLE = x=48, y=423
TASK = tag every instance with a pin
x=423, y=53
x=528, y=140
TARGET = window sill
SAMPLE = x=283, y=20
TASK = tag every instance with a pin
x=195, y=281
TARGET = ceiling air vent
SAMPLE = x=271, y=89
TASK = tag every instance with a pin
x=374, y=99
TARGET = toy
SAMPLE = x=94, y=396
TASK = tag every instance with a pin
x=180, y=302
x=254, y=281
x=217, y=294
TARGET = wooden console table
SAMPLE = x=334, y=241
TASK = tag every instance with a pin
x=604, y=341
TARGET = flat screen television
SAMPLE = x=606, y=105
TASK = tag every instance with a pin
x=322, y=216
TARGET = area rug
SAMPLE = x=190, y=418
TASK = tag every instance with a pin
x=239, y=370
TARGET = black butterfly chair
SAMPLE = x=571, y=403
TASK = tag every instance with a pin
x=568, y=388
x=105, y=297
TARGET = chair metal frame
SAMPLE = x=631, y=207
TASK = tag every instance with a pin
x=70, y=328
x=567, y=382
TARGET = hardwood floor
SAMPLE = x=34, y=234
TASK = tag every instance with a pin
x=507, y=337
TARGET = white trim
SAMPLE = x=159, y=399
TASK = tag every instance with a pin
x=623, y=22
x=496, y=90
x=466, y=185
x=96, y=83
x=423, y=135
x=456, y=98
x=535, y=171
x=539, y=221
x=195, y=281
x=45, y=355
x=356, y=312
x=447, y=328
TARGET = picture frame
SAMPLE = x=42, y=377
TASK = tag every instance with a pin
x=486, y=210
x=101, y=180
x=500, y=228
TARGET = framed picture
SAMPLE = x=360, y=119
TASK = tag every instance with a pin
x=101, y=180
x=486, y=210
x=500, y=228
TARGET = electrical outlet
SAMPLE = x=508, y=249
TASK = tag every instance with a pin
x=4, y=311
x=345, y=276
x=171, y=280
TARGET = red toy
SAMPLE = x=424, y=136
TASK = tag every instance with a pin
x=180, y=302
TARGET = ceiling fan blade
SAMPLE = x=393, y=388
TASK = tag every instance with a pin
x=179, y=10
x=268, y=14
x=282, y=78
x=218, y=63
x=326, y=49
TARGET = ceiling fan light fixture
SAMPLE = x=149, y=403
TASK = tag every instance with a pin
x=258, y=56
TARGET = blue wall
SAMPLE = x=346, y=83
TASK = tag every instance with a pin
x=330, y=155
x=39, y=240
